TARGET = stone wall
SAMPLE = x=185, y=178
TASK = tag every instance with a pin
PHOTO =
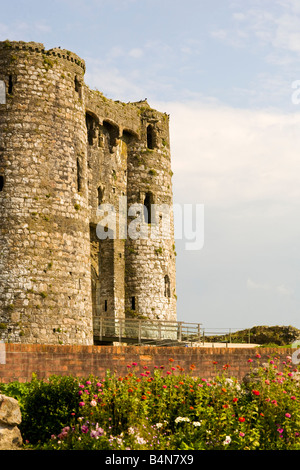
x=22, y=360
x=64, y=150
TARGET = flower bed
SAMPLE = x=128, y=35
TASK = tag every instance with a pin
x=166, y=408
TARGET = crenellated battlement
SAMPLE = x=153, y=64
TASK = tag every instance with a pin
x=35, y=47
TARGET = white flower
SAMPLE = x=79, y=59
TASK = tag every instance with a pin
x=227, y=440
x=159, y=425
x=140, y=440
x=180, y=418
x=197, y=423
x=93, y=403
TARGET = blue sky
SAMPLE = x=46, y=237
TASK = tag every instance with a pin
x=224, y=70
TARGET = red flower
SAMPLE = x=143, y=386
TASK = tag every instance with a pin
x=234, y=400
x=241, y=419
x=255, y=392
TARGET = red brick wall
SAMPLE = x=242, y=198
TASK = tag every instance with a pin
x=22, y=360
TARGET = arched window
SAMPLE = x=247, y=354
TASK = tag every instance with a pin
x=112, y=134
x=91, y=124
x=78, y=86
x=150, y=137
x=167, y=286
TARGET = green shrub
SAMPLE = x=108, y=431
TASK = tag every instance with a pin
x=47, y=407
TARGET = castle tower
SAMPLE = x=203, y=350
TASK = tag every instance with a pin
x=150, y=258
x=45, y=293
x=65, y=151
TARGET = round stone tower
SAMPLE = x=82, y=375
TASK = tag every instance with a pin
x=45, y=277
x=150, y=249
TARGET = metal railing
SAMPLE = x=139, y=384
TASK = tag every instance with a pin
x=137, y=331
x=144, y=330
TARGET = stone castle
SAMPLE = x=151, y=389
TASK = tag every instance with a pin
x=65, y=150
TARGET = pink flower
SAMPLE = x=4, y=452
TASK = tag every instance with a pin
x=293, y=397
x=134, y=363
x=258, y=356
x=81, y=403
x=173, y=368
x=168, y=372
x=250, y=360
x=287, y=415
x=274, y=402
x=242, y=434
x=267, y=382
x=88, y=382
x=164, y=386
x=98, y=384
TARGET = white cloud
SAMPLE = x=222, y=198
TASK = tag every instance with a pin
x=282, y=289
x=255, y=285
x=136, y=53
x=224, y=156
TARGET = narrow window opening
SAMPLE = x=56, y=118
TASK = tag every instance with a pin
x=167, y=286
x=78, y=86
x=1, y=182
x=112, y=134
x=105, y=305
x=91, y=128
x=148, y=213
x=150, y=137
x=10, y=85
x=99, y=195
x=79, y=177
x=132, y=303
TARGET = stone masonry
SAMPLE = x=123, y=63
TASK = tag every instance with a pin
x=10, y=419
x=65, y=151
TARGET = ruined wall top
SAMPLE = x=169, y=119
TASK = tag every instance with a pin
x=39, y=47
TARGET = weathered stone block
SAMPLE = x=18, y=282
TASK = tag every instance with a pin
x=10, y=418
